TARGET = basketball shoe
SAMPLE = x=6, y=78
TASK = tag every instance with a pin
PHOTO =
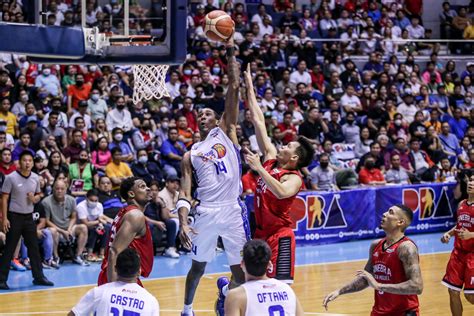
x=219, y=306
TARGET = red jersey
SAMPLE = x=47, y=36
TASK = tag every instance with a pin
x=388, y=269
x=465, y=216
x=272, y=213
x=143, y=245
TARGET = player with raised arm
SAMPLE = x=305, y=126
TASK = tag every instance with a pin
x=393, y=269
x=129, y=230
x=122, y=297
x=278, y=183
x=215, y=165
x=260, y=295
x=460, y=268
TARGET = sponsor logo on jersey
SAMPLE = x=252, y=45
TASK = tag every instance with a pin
x=220, y=150
x=382, y=272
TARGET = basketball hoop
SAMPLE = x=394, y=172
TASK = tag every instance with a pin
x=149, y=82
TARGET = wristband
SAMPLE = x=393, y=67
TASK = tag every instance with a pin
x=183, y=203
x=230, y=51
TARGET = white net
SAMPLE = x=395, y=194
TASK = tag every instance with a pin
x=149, y=82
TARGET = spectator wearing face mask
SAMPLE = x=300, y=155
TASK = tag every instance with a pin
x=145, y=169
x=350, y=129
x=143, y=137
x=90, y=212
x=83, y=175
x=49, y=82
x=120, y=116
x=323, y=177
x=96, y=106
x=117, y=142
x=370, y=174
x=77, y=92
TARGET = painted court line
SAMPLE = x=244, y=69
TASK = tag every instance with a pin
x=207, y=275
x=161, y=311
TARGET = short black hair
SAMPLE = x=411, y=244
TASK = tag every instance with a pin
x=128, y=263
x=127, y=186
x=92, y=192
x=373, y=144
x=305, y=152
x=115, y=150
x=256, y=255
x=26, y=153
x=407, y=211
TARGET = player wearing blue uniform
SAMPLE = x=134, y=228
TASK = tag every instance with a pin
x=215, y=166
x=260, y=295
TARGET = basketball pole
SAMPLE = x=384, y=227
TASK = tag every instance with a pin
x=126, y=16
x=83, y=14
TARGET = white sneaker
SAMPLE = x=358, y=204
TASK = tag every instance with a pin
x=171, y=252
x=78, y=260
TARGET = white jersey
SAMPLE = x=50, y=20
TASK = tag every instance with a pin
x=217, y=168
x=269, y=297
x=117, y=298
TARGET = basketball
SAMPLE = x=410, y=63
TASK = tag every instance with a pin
x=218, y=26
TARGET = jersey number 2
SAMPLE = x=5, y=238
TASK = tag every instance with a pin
x=220, y=167
x=276, y=310
x=115, y=312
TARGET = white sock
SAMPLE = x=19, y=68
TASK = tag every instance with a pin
x=225, y=289
x=188, y=308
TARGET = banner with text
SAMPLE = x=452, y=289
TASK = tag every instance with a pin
x=328, y=217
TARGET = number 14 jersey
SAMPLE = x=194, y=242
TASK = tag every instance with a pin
x=217, y=168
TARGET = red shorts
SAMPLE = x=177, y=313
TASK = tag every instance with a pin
x=282, y=243
x=414, y=312
x=460, y=272
x=103, y=279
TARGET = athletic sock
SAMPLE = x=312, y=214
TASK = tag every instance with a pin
x=188, y=308
x=225, y=289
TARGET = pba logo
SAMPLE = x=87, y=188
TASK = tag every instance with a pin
x=220, y=150
x=424, y=201
x=320, y=216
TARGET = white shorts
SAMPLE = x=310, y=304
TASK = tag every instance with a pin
x=226, y=220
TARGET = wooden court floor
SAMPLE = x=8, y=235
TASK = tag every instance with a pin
x=312, y=282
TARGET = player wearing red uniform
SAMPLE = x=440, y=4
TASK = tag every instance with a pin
x=129, y=230
x=393, y=269
x=278, y=183
x=460, y=268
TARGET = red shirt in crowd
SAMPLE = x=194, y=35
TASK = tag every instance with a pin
x=289, y=137
x=367, y=176
x=6, y=170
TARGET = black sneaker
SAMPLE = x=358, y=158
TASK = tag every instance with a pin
x=44, y=281
x=4, y=286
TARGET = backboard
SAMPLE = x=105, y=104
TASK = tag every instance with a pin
x=100, y=32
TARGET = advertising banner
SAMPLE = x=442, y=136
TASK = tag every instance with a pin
x=329, y=217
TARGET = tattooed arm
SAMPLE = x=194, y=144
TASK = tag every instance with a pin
x=408, y=254
x=356, y=285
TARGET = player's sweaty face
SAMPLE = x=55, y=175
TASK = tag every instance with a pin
x=207, y=119
x=286, y=152
x=142, y=192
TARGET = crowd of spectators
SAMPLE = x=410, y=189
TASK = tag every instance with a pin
x=390, y=120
